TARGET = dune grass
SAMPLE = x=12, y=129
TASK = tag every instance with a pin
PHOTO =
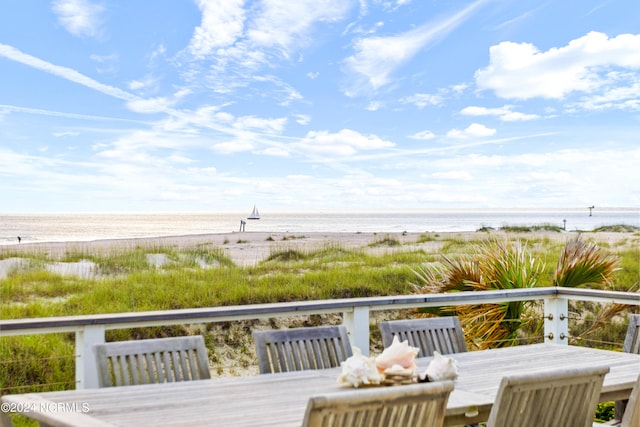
x=203, y=276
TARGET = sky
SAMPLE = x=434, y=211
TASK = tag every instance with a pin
x=217, y=105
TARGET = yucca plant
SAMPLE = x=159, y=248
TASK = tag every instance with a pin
x=498, y=265
x=583, y=263
x=495, y=265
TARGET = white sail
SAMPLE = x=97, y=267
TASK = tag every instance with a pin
x=254, y=213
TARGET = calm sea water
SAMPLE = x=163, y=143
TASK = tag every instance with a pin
x=83, y=227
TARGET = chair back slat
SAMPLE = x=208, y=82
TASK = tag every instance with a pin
x=411, y=405
x=441, y=334
x=299, y=349
x=152, y=361
x=631, y=345
x=548, y=399
x=632, y=339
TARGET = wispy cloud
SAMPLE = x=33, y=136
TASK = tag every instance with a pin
x=13, y=108
x=286, y=25
x=14, y=54
x=423, y=135
x=79, y=17
x=376, y=58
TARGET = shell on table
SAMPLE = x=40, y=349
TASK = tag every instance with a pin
x=359, y=370
x=398, y=353
x=440, y=368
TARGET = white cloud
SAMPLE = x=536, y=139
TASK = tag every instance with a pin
x=374, y=105
x=302, y=119
x=286, y=24
x=343, y=143
x=424, y=135
x=422, y=100
x=79, y=17
x=274, y=152
x=454, y=175
x=521, y=71
x=144, y=83
x=235, y=146
x=504, y=113
x=150, y=105
x=64, y=134
x=623, y=98
x=222, y=24
x=266, y=125
x=472, y=131
x=106, y=63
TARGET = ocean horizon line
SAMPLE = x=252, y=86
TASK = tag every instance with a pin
x=592, y=208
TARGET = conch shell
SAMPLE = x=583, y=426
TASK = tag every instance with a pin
x=440, y=369
x=358, y=370
x=398, y=353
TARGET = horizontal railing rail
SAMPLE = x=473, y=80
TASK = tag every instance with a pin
x=90, y=329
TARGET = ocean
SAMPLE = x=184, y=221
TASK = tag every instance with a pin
x=95, y=226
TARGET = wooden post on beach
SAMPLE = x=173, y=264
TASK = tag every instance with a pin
x=590, y=209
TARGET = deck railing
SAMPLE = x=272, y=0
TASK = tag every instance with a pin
x=90, y=329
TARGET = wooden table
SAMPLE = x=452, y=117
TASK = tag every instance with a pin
x=281, y=399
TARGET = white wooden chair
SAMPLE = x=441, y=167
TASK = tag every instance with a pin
x=298, y=349
x=441, y=334
x=422, y=405
x=548, y=399
x=631, y=417
x=631, y=345
x=149, y=361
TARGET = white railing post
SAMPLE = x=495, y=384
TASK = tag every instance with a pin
x=86, y=368
x=357, y=324
x=556, y=320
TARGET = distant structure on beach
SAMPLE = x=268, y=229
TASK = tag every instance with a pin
x=592, y=207
x=254, y=213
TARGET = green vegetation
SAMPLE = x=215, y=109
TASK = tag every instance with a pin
x=503, y=264
x=125, y=280
x=531, y=228
x=386, y=241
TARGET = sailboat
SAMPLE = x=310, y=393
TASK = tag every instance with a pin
x=254, y=213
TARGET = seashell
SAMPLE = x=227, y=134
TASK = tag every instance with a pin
x=440, y=369
x=398, y=353
x=359, y=370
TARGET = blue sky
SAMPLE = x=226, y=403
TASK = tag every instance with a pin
x=217, y=105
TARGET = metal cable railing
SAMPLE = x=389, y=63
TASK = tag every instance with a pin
x=17, y=367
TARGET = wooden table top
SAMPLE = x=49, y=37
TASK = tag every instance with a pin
x=281, y=399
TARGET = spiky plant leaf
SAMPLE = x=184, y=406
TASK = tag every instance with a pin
x=582, y=264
